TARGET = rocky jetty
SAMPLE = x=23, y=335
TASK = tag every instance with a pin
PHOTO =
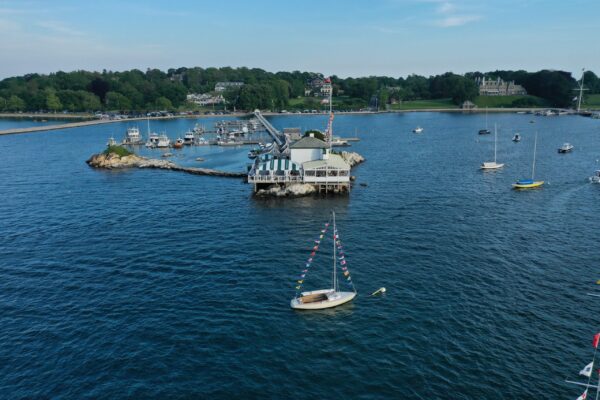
x=352, y=158
x=115, y=161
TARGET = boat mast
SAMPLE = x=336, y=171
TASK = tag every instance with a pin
x=580, y=90
x=534, y=148
x=495, y=141
x=486, y=122
x=334, y=260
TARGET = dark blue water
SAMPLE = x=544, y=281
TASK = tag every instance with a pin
x=157, y=284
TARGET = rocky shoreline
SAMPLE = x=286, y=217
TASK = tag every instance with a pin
x=115, y=161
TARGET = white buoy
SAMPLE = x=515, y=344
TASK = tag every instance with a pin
x=380, y=290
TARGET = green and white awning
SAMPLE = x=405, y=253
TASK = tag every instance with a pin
x=278, y=164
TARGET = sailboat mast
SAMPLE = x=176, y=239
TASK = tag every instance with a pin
x=580, y=90
x=334, y=255
x=330, y=114
x=534, y=148
x=495, y=141
x=486, y=122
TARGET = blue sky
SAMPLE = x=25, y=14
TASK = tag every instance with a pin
x=346, y=38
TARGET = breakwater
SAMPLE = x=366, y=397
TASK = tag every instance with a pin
x=114, y=161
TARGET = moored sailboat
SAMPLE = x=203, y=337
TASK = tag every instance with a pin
x=493, y=164
x=331, y=297
x=529, y=183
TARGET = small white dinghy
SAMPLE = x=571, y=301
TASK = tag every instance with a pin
x=325, y=298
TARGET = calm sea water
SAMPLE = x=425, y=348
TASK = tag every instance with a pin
x=11, y=123
x=156, y=284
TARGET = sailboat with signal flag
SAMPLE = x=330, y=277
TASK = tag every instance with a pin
x=587, y=372
x=333, y=296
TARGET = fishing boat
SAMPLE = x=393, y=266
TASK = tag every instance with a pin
x=133, y=137
x=188, y=138
x=325, y=298
x=529, y=183
x=516, y=138
x=493, y=164
x=201, y=142
x=565, y=148
x=418, y=129
x=178, y=143
x=596, y=177
x=485, y=131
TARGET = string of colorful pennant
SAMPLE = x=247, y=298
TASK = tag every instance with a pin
x=587, y=371
x=342, y=260
x=308, y=264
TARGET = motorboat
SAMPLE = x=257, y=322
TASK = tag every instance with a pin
x=188, y=138
x=111, y=142
x=516, y=138
x=133, y=137
x=163, y=141
x=418, y=129
x=178, y=143
x=565, y=148
x=596, y=177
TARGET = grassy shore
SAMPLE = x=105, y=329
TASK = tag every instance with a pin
x=416, y=105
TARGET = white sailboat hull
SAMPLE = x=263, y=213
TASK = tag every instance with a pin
x=330, y=299
x=491, y=165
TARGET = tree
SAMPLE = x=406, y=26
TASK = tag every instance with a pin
x=15, y=103
x=555, y=86
x=99, y=87
x=116, y=101
x=162, y=103
x=3, y=103
x=52, y=101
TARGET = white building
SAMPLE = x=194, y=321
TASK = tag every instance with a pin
x=223, y=86
x=308, y=149
x=311, y=161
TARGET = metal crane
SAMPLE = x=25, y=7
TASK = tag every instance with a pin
x=279, y=138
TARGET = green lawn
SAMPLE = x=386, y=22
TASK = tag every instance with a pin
x=506, y=101
x=423, y=104
x=591, y=101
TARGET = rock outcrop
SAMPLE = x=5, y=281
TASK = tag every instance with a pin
x=352, y=158
x=294, y=190
x=114, y=161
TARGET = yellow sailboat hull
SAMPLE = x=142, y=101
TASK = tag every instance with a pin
x=527, y=185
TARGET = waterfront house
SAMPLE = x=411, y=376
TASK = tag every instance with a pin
x=223, y=86
x=498, y=87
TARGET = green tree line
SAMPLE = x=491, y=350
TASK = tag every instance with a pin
x=154, y=89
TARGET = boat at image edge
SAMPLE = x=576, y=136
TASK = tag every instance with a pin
x=325, y=298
